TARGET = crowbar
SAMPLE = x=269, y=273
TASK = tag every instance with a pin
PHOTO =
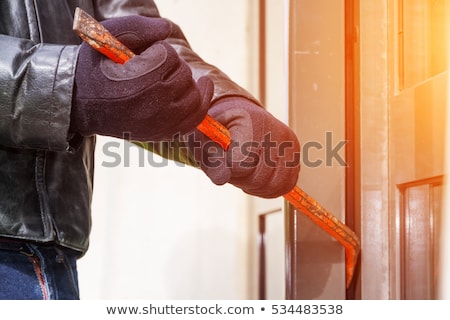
x=96, y=35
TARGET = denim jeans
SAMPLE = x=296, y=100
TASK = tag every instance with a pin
x=30, y=271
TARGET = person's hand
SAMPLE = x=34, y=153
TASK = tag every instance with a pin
x=264, y=156
x=151, y=97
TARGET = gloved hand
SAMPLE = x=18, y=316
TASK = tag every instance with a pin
x=151, y=97
x=264, y=156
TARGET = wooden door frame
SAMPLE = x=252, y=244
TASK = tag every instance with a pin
x=352, y=131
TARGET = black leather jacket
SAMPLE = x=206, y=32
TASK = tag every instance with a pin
x=46, y=172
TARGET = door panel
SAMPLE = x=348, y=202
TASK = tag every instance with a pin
x=419, y=237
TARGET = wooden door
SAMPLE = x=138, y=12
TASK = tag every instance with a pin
x=378, y=83
x=402, y=129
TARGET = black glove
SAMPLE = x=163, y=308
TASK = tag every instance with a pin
x=151, y=97
x=264, y=156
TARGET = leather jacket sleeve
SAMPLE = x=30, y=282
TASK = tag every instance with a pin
x=35, y=93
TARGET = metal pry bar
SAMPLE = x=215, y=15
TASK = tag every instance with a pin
x=330, y=224
x=92, y=32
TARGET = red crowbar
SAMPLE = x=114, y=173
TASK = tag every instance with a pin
x=93, y=33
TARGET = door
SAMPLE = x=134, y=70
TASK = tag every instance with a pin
x=373, y=75
x=403, y=93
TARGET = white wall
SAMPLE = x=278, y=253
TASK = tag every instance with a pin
x=168, y=232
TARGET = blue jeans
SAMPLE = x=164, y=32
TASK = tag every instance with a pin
x=30, y=271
